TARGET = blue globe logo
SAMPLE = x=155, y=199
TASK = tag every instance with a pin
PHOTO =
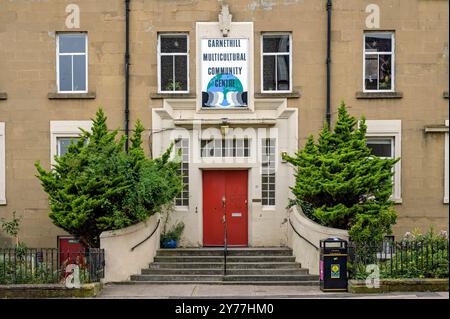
x=224, y=84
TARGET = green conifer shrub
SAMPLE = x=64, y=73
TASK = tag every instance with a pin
x=97, y=186
x=340, y=184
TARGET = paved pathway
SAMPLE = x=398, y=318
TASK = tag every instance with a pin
x=246, y=291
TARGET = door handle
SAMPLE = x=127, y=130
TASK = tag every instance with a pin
x=223, y=201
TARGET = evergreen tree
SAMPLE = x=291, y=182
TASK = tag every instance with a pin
x=97, y=186
x=339, y=183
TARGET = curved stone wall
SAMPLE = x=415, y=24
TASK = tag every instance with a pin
x=121, y=260
x=306, y=243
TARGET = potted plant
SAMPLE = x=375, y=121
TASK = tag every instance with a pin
x=173, y=86
x=170, y=238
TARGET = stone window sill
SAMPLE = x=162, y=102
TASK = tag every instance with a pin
x=159, y=96
x=3, y=96
x=68, y=96
x=291, y=95
x=379, y=95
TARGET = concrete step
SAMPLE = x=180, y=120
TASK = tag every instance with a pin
x=182, y=271
x=267, y=278
x=219, y=271
x=169, y=278
x=245, y=266
x=219, y=265
x=211, y=259
x=243, y=278
x=231, y=252
x=215, y=282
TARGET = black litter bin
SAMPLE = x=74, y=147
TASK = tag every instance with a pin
x=333, y=264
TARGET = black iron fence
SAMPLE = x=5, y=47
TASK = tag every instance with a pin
x=50, y=265
x=401, y=259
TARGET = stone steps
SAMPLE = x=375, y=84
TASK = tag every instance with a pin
x=219, y=265
x=231, y=252
x=201, y=278
x=245, y=266
x=220, y=259
x=253, y=283
x=219, y=271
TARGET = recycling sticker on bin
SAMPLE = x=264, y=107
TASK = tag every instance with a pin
x=335, y=271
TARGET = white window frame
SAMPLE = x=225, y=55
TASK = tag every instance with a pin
x=392, y=53
x=390, y=129
x=446, y=165
x=276, y=54
x=262, y=152
x=2, y=164
x=184, y=207
x=227, y=141
x=160, y=90
x=64, y=129
x=58, y=54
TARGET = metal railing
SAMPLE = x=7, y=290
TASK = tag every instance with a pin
x=49, y=265
x=302, y=237
x=225, y=237
x=402, y=259
x=148, y=237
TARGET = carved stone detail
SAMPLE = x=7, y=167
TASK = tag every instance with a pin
x=225, y=20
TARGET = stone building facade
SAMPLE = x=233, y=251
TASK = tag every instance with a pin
x=60, y=60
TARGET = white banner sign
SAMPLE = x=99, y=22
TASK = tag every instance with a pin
x=224, y=72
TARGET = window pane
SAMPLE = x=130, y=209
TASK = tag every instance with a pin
x=65, y=73
x=225, y=148
x=385, y=72
x=180, y=73
x=208, y=150
x=268, y=172
x=283, y=73
x=72, y=43
x=378, y=42
x=182, y=199
x=79, y=72
x=174, y=44
x=239, y=152
x=167, y=73
x=275, y=43
x=371, y=77
x=218, y=148
x=229, y=147
x=269, y=73
x=380, y=147
x=63, y=144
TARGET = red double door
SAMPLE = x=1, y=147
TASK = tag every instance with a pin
x=225, y=193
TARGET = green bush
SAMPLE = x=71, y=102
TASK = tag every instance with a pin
x=340, y=184
x=42, y=273
x=416, y=256
x=97, y=186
